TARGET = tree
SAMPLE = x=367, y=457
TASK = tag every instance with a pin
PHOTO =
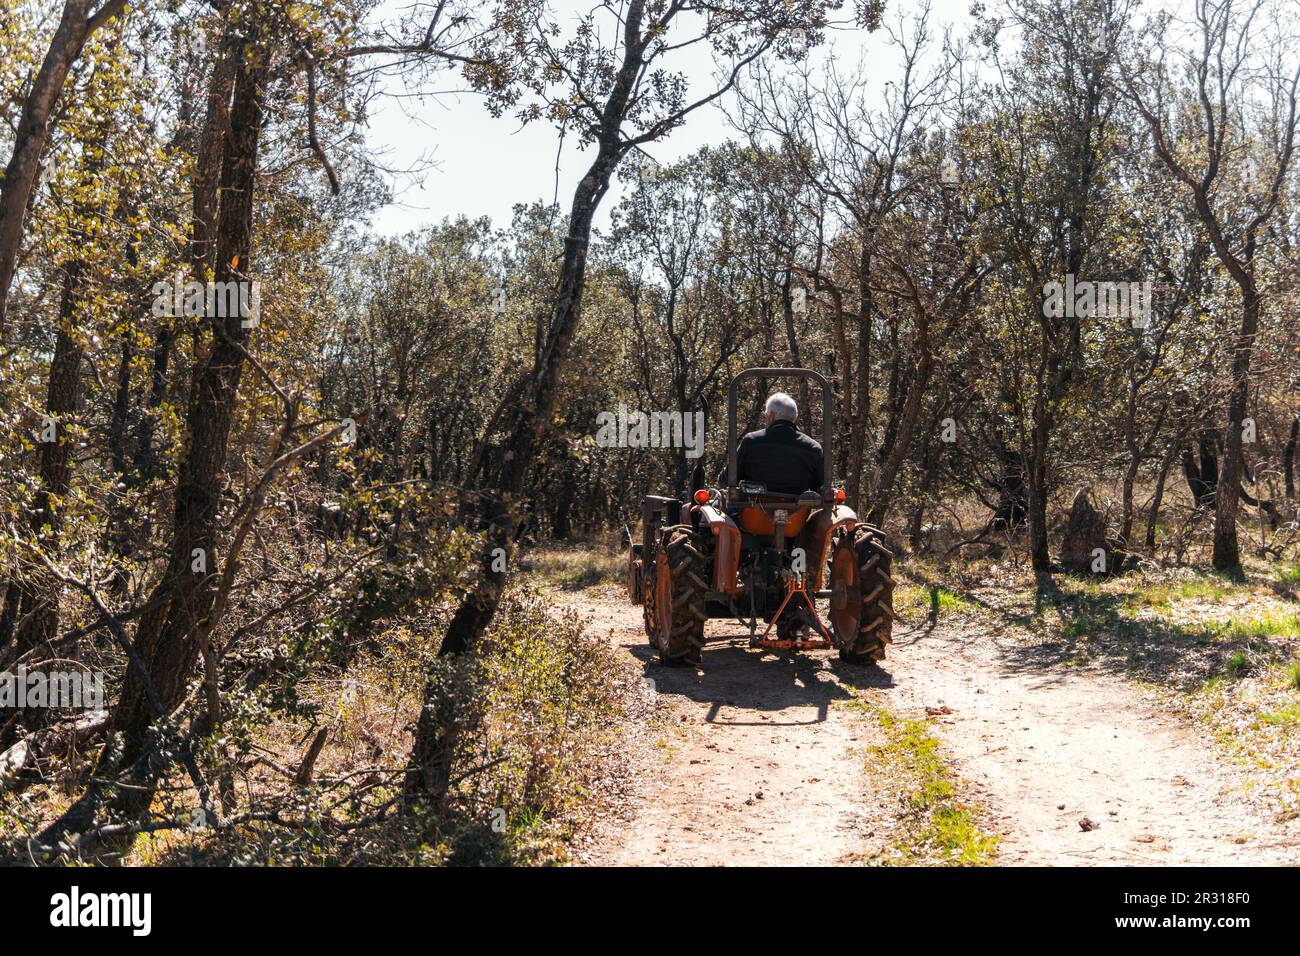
x=1228, y=81
x=1047, y=147
x=684, y=308
x=854, y=153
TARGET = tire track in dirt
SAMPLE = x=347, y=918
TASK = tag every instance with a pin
x=756, y=760
x=1040, y=746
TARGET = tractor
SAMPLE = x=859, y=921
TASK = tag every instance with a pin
x=748, y=554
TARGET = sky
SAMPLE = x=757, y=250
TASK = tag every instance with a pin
x=481, y=166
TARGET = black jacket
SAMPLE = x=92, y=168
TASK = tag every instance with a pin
x=781, y=457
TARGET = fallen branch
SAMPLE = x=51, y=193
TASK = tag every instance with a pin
x=26, y=751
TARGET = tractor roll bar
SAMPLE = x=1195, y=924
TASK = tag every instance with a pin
x=828, y=411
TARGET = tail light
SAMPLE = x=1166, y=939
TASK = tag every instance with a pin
x=702, y=496
x=839, y=496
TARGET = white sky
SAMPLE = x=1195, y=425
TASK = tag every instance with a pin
x=484, y=166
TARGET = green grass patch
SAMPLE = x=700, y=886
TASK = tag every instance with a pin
x=1084, y=612
x=1279, y=625
x=911, y=599
x=1289, y=577
x=1164, y=595
x=951, y=602
x=1293, y=677
x=939, y=826
x=1288, y=716
x=937, y=600
x=1237, y=664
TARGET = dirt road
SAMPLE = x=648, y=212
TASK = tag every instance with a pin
x=762, y=760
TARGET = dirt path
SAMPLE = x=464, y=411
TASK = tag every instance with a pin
x=1046, y=747
x=757, y=760
x=763, y=761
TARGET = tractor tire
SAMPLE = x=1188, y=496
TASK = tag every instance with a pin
x=862, y=595
x=681, y=596
x=647, y=590
x=635, y=591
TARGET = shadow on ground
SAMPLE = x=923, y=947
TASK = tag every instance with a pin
x=1064, y=628
x=733, y=675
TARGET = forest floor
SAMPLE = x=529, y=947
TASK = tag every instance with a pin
x=1009, y=725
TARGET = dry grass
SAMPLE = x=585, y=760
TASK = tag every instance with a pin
x=575, y=568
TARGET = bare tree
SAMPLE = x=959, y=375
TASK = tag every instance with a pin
x=1204, y=140
x=853, y=152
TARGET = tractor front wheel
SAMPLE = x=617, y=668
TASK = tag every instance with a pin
x=635, y=570
x=862, y=595
x=647, y=592
x=680, y=596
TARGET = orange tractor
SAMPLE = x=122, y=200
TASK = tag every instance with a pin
x=750, y=555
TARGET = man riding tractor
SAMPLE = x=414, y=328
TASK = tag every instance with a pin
x=760, y=548
x=780, y=457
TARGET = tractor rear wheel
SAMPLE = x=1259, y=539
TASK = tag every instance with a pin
x=681, y=596
x=862, y=595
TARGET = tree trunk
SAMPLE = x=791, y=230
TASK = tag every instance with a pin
x=1201, y=469
x=915, y=528
x=121, y=408
x=1126, y=496
x=862, y=404
x=63, y=397
x=118, y=532
x=39, y=607
x=1227, y=557
x=1288, y=457
x=882, y=485
x=1131, y=448
x=202, y=252
x=561, y=515
x=845, y=370
x=1038, y=490
x=1159, y=494
x=1013, y=504
x=792, y=341
x=166, y=638
x=32, y=604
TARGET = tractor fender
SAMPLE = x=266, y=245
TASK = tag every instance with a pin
x=726, y=552
x=815, y=538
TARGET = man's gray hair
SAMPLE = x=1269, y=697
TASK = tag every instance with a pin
x=781, y=407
